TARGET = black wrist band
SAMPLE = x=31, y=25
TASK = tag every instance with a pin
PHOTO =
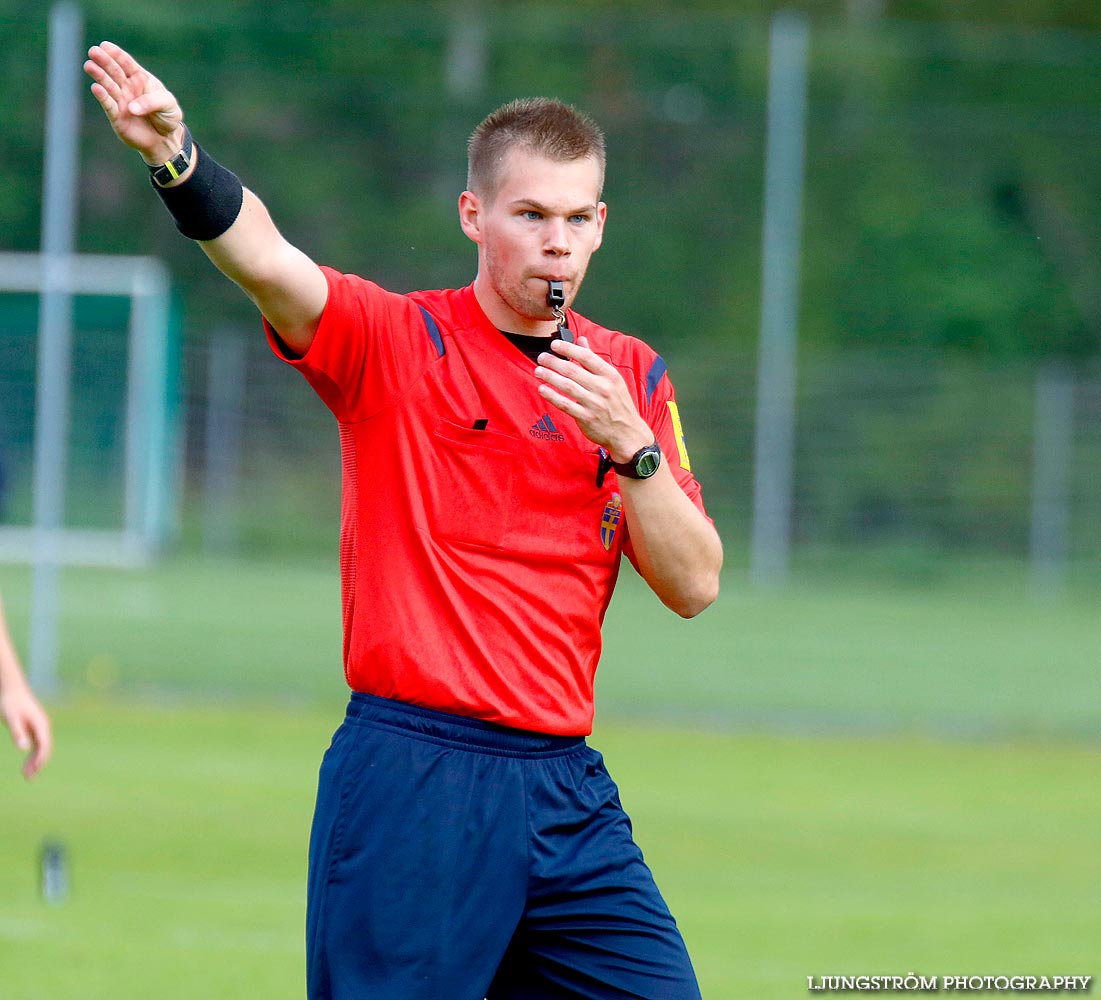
x=207, y=203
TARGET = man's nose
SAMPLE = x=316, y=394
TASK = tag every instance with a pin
x=557, y=239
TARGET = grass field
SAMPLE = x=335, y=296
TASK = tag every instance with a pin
x=970, y=656
x=783, y=857
x=834, y=780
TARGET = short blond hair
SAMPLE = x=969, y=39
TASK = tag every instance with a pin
x=542, y=125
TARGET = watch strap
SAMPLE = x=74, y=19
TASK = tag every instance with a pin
x=167, y=172
x=641, y=466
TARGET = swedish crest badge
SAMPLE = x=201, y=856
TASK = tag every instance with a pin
x=609, y=521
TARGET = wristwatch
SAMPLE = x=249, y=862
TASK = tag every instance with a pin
x=643, y=464
x=166, y=173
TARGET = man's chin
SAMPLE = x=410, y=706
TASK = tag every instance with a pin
x=534, y=311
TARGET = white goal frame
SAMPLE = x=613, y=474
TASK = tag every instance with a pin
x=149, y=471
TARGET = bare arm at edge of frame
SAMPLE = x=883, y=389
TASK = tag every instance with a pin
x=288, y=288
x=20, y=710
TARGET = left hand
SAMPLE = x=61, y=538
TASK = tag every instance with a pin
x=29, y=725
x=583, y=385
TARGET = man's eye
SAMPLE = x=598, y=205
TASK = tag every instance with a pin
x=532, y=215
x=579, y=219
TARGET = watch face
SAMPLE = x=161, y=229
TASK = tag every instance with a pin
x=647, y=464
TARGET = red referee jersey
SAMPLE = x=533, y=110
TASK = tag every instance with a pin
x=477, y=553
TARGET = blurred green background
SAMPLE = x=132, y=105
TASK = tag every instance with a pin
x=890, y=764
x=951, y=234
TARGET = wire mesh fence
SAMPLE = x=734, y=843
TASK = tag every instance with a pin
x=906, y=451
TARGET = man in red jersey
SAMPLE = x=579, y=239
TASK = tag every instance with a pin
x=499, y=456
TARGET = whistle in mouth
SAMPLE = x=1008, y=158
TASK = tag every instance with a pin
x=556, y=299
x=556, y=296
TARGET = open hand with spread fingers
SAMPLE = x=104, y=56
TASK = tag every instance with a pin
x=143, y=113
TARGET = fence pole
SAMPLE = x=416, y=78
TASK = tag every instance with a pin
x=225, y=407
x=55, y=333
x=773, y=469
x=1053, y=439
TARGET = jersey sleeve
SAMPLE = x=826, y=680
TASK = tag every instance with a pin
x=658, y=405
x=370, y=345
x=662, y=415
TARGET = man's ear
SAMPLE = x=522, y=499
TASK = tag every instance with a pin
x=601, y=218
x=470, y=215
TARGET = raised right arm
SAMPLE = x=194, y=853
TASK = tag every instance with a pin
x=288, y=288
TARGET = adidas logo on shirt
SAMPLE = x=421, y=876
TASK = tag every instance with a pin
x=544, y=429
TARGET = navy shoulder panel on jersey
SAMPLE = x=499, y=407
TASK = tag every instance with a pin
x=433, y=330
x=653, y=377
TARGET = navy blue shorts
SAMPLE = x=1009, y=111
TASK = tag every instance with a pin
x=452, y=859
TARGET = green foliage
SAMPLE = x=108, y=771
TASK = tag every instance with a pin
x=941, y=207
x=351, y=132
x=952, y=209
